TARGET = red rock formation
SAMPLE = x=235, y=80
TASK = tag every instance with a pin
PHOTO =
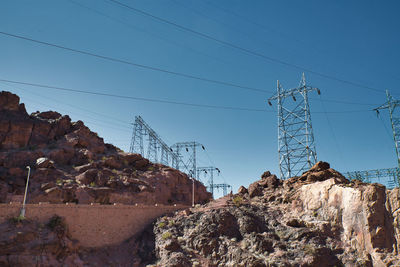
x=28, y=243
x=70, y=163
x=317, y=219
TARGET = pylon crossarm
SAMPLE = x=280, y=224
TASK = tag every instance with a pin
x=291, y=92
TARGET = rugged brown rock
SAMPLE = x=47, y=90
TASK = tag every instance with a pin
x=317, y=219
x=69, y=163
x=28, y=243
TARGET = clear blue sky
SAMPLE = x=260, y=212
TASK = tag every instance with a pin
x=356, y=41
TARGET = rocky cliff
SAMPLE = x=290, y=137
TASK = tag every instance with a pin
x=28, y=243
x=70, y=163
x=318, y=219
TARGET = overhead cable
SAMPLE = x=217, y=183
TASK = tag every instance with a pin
x=181, y=74
x=133, y=97
x=240, y=48
x=155, y=100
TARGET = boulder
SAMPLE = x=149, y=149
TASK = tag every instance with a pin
x=9, y=101
x=320, y=166
x=265, y=174
x=270, y=181
x=46, y=186
x=87, y=177
x=44, y=162
x=61, y=127
x=113, y=163
x=47, y=115
x=255, y=189
x=131, y=158
x=242, y=190
x=141, y=164
x=176, y=259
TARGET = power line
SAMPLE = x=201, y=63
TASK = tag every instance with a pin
x=160, y=37
x=219, y=22
x=247, y=51
x=115, y=121
x=331, y=128
x=132, y=97
x=96, y=122
x=261, y=26
x=345, y=102
x=156, y=100
x=177, y=44
x=181, y=74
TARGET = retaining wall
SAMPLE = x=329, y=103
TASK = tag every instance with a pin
x=93, y=225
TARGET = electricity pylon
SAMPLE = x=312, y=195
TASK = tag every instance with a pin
x=209, y=171
x=393, y=106
x=296, y=147
x=155, y=144
x=224, y=187
x=186, y=162
x=376, y=175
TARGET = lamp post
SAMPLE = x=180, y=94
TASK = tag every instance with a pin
x=193, y=192
x=22, y=214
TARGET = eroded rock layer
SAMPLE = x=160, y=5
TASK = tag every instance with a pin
x=70, y=163
x=318, y=219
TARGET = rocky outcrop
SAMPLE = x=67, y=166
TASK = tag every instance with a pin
x=317, y=219
x=70, y=163
x=28, y=243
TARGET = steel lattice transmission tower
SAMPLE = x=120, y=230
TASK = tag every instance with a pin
x=391, y=175
x=224, y=187
x=393, y=105
x=296, y=147
x=156, y=146
x=189, y=160
x=209, y=171
x=394, y=114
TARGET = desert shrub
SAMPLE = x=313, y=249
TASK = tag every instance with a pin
x=171, y=223
x=17, y=219
x=56, y=221
x=151, y=168
x=238, y=200
x=92, y=184
x=161, y=224
x=59, y=181
x=166, y=235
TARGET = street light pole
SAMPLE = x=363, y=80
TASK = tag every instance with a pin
x=193, y=192
x=22, y=214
